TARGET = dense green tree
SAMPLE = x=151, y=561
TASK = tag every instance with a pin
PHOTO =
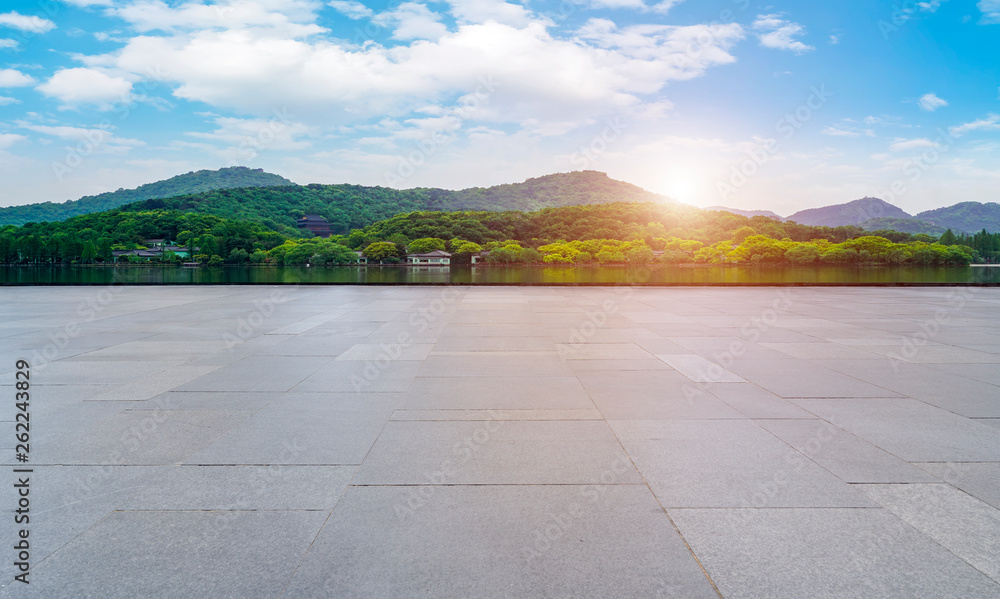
x=381, y=251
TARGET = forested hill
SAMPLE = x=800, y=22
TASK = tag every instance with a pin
x=355, y=206
x=193, y=182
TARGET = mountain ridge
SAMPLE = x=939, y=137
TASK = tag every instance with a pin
x=190, y=182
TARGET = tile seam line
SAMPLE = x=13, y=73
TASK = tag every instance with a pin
x=670, y=519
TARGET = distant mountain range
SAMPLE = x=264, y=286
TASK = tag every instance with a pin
x=192, y=182
x=252, y=194
x=874, y=214
x=349, y=207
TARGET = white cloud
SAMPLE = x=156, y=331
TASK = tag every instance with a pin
x=483, y=11
x=614, y=4
x=31, y=24
x=902, y=145
x=412, y=20
x=5, y=100
x=930, y=102
x=240, y=140
x=9, y=139
x=14, y=78
x=930, y=6
x=991, y=12
x=351, y=9
x=104, y=141
x=604, y=69
x=664, y=6
x=86, y=86
x=281, y=18
x=8, y=43
x=834, y=131
x=834, y=39
x=990, y=123
x=780, y=34
x=86, y=3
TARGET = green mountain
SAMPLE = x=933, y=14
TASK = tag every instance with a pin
x=903, y=225
x=355, y=206
x=967, y=217
x=851, y=213
x=748, y=213
x=193, y=182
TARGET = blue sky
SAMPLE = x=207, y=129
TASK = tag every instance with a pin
x=779, y=105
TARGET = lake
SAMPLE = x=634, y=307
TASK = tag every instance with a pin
x=501, y=275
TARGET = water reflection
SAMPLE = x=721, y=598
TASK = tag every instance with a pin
x=509, y=275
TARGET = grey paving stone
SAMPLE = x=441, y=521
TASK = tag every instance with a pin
x=616, y=365
x=66, y=501
x=481, y=393
x=652, y=395
x=494, y=366
x=258, y=373
x=849, y=458
x=495, y=344
x=602, y=351
x=824, y=554
x=179, y=554
x=140, y=437
x=207, y=400
x=304, y=428
x=156, y=384
x=354, y=376
x=979, y=479
x=911, y=430
x=810, y=379
x=276, y=487
x=699, y=370
x=388, y=351
x=961, y=523
x=754, y=402
x=495, y=452
x=496, y=415
x=951, y=392
x=728, y=463
x=532, y=542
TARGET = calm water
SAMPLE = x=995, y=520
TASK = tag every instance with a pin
x=513, y=275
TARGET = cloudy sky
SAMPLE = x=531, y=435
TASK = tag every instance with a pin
x=780, y=105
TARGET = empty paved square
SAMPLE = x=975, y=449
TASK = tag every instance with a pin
x=528, y=442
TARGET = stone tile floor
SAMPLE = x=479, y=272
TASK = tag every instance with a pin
x=505, y=442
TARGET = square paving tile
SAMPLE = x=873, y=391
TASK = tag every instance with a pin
x=304, y=428
x=728, y=463
x=180, y=554
x=492, y=541
x=824, y=554
x=961, y=523
x=911, y=430
x=495, y=452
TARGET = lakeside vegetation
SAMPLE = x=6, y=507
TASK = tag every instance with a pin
x=614, y=233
